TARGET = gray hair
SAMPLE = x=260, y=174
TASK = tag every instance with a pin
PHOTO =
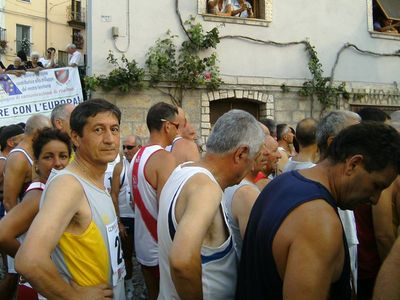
x=59, y=112
x=138, y=139
x=233, y=129
x=36, y=122
x=71, y=46
x=331, y=125
x=35, y=54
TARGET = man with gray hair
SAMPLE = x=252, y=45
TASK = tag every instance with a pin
x=75, y=60
x=196, y=253
x=328, y=128
x=74, y=56
x=60, y=117
x=331, y=125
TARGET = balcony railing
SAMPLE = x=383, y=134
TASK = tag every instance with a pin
x=75, y=15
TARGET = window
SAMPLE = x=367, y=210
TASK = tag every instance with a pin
x=23, y=41
x=262, y=12
x=384, y=18
x=77, y=38
x=76, y=10
x=62, y=58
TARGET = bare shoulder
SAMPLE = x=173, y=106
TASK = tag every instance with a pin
x=65, y=187
x=118, y=168
x=316, y=221
x=245, y=196
x=16, y=160
x=201, y=181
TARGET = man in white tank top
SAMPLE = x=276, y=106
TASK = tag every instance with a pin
x=122, y=198
x=150, y=169
x=77, y=229
x=197, y=257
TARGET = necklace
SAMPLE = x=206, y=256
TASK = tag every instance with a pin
x=87, y=174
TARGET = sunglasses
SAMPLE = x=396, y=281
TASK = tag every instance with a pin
x=175, y=124
x=129, y=147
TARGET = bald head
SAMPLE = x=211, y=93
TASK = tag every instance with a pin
x=36, y=122
x=265, y=129
x=306, y=132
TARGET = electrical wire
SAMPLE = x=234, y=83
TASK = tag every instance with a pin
x=128, y=29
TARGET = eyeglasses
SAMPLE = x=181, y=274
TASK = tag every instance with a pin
x=175, y=124
x=129, y=147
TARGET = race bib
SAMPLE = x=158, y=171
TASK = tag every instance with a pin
x=115, y=248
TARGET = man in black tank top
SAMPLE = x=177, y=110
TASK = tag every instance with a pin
x=294, y=246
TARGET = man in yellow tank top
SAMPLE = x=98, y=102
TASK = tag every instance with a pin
x=73, y=249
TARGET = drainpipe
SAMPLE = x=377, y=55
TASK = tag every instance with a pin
x=45, y=27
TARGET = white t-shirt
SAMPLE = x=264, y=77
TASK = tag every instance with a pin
x=75, y=58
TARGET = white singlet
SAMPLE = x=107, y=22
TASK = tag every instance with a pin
x=219, y=264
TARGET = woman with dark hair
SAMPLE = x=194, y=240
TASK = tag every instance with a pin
x=52, y=150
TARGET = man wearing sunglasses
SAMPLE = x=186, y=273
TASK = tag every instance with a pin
x=183, y=147
x=150, y=169
x=122, y=199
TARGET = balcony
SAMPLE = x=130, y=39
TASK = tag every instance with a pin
x=76, y=17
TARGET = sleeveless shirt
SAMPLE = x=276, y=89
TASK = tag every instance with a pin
x=258, y=275
x=95, y=256
x=146, y=208
x=30, y=161
x=219, y=264
x=227, y=198
x=124, y=196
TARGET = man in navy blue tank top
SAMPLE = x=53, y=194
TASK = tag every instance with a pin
x=294, y=246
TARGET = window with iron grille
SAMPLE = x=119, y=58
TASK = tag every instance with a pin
x=23, y=41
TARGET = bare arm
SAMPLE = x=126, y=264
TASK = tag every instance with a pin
x=184, y=257
x=242, y=203
x=63, y=200
x=115, y=188
x=185, y=150
x=387, y=283
x=17, y=222
x=157, y=175
x=315, y=251
x=14, y=178
x=382, y=221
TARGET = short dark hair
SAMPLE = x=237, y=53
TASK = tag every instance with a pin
x=306, y=132
x=51, y=49
x=91, y=108
x=281, y=129
x=271, y=125
x=47, y=135
x=373, y=114
x=9, y=132
x=158, y=111
x=356, y=139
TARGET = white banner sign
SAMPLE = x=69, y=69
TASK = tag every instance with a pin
x=21, y=97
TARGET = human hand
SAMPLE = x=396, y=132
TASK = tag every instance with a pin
x=97, y=292
x=122, y=230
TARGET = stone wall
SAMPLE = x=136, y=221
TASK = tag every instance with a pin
x=283, y=106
